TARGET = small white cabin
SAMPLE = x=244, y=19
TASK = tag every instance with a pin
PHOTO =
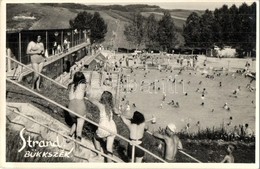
x=227, y=51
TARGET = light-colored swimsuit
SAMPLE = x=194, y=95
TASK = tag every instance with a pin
x=36, y=58
x=76, y=98
x=106, y=122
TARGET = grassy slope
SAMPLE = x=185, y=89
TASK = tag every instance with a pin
x=178, y=23
x=184, y=13
x=47, y=17
x=53, y=18
x=179, y=16
x=111, y=18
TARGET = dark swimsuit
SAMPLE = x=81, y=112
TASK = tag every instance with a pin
x=138, y=151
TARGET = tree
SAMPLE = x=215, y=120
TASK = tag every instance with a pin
x=81, y=21
x=95, y=23
x=151, y=32
x=98, y=28
x=252, y=18
x=245, y=28
x=233, y=25
x=206, y=35
x=191, y=30
x=224, y=23
x=217, y=29
x=135, y=32
x=167, y=32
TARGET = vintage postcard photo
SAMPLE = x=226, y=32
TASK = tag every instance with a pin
x=154, y=84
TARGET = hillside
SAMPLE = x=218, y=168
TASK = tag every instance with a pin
x=43, y=16
x=34, y=16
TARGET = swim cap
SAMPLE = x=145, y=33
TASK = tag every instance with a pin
x=172, y=127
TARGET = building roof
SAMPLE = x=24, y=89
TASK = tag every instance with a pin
x=101, y=57
x=8, y=31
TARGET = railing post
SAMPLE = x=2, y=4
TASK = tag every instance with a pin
x=8, y=60
x=72, y=39
x=133, y=153
x=61, y=65
x=20, y=47
x=76, y=38
x=117, y=95
x=80, y=36
x=46, y=34
x=61, y=37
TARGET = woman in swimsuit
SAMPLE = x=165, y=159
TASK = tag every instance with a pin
x=77, y=89
x=106, y=109
x=136, y=126
x=36, y=51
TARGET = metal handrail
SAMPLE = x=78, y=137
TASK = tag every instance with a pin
x=27, y=67
x=98, y=125
x=94, y=122
x=181, y=151
x=53, y=58
x=88, y=120
x=35, y=121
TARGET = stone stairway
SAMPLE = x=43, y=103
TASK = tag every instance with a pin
x=95, y=80
x=95, y=89
x=87, y=75
x=17, y=122
x=114, y=80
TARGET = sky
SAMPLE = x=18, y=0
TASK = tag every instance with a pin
x=176, y=4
